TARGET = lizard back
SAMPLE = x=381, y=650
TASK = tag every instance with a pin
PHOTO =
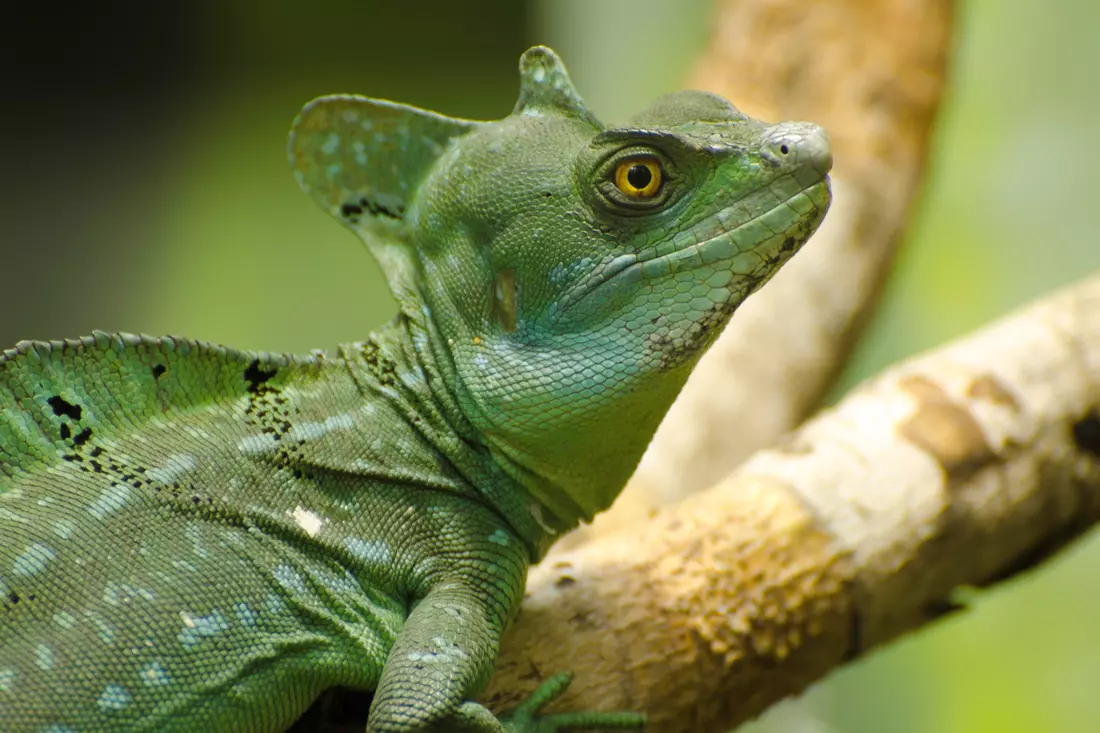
x=186, y=528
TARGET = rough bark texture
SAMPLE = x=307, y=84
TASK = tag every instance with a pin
x=960, y=468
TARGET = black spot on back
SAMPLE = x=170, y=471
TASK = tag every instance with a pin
x=382, y=367
x=256, y=377
x=269, y=410
x=159, y=370
x=61, y=407
x=82, y=437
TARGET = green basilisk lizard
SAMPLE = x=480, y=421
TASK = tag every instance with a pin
x=198, y=538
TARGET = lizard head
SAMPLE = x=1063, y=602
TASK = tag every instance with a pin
x=570, y=274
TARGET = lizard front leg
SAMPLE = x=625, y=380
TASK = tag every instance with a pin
x=441, y=658
x=444, y=656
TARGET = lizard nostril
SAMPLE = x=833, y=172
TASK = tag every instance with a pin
x=784, y=149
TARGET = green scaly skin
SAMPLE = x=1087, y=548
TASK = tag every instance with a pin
x=196, y=538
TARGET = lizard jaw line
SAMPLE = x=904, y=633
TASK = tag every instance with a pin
x=710, y=251
x=630, y=268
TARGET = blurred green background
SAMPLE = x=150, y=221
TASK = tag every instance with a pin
x=144, y=187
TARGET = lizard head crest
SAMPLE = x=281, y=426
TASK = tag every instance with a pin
x=545, y=87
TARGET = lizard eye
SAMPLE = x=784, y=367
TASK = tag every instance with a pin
x=639, y=178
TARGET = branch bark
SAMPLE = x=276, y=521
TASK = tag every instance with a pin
x=960, y=468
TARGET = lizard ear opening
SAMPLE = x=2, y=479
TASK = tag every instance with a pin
x=362, y=160
x=545, y=87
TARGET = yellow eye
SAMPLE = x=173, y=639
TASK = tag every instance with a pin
x=639, y=178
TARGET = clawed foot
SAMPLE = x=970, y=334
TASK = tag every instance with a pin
x=525, y=718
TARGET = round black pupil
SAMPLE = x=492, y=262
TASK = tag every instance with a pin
x=639, y=176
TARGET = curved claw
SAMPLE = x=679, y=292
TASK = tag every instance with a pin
x=525, y=718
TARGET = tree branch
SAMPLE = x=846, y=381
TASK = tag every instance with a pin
x=960, y=468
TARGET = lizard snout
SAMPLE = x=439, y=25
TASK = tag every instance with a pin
x=799, y=145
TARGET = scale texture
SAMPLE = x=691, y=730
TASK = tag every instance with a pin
x=197, y=538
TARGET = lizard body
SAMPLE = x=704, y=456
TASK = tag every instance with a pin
x=195, y=538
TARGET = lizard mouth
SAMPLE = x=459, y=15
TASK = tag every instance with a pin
x=729, y=253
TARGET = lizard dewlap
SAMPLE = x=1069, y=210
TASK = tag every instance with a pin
x=198, y=538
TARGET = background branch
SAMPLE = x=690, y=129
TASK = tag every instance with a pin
x=873, y=73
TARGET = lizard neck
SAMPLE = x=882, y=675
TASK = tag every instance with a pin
x=546, y=481
x=402, y=367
